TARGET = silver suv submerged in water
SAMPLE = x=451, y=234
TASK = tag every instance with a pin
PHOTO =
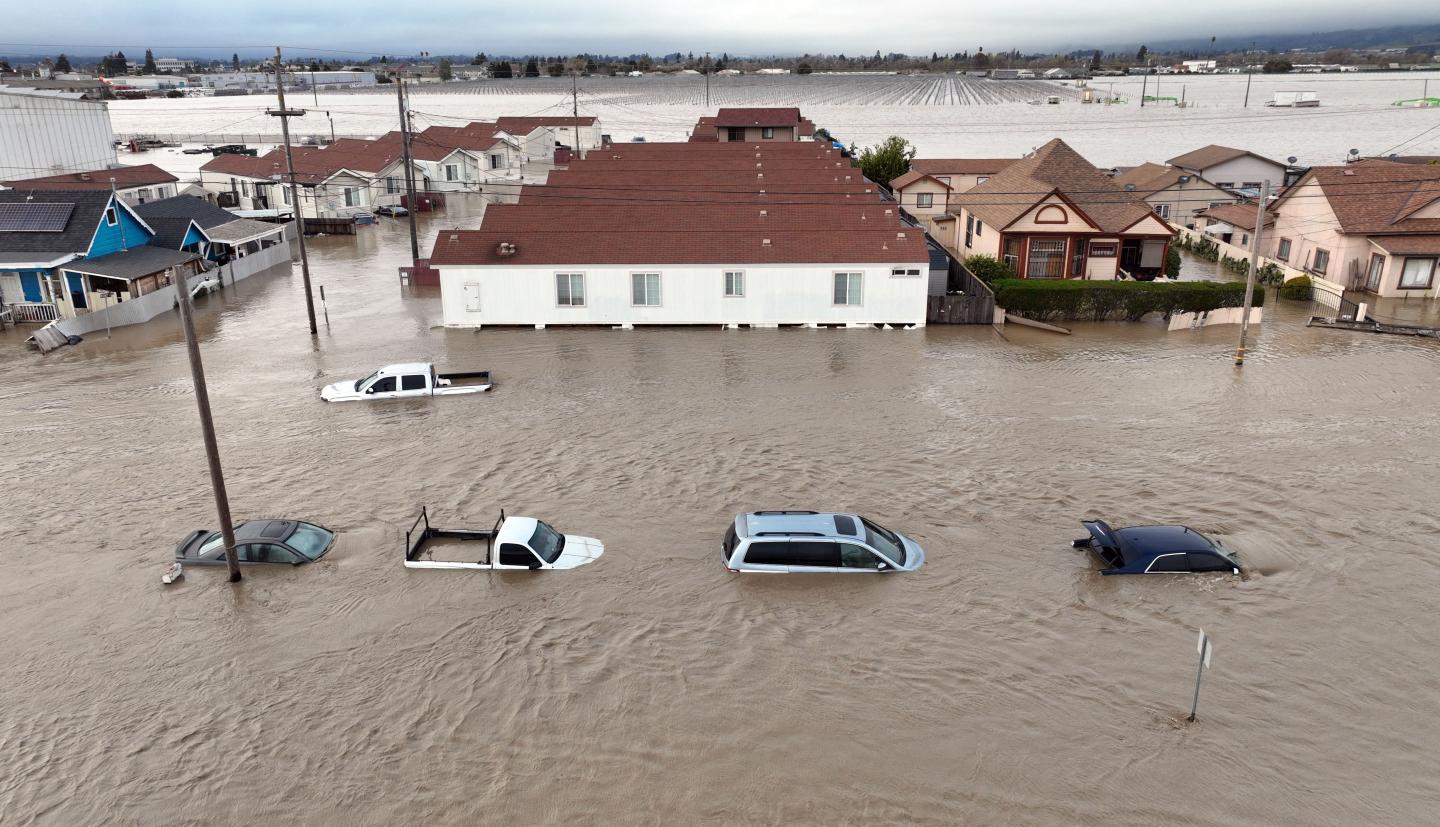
x=816, y=541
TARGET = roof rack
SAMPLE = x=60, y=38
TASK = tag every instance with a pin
x=786, y=512
x=788, y=534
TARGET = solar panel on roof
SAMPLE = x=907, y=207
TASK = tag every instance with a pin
x=35, y=218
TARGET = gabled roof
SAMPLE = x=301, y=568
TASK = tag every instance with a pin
x=97, y=179
x=1375, y=197
x=184, y=206
x=1208, y=156
x=89, y=206
x=1149, y=179
x=1408, y=245
x=133, y=263
x=522, y=126
x=784, y=116
x=1053, y=169
x=312, y=165
x=960, y=166
x=1237, y=215
x=911, y=177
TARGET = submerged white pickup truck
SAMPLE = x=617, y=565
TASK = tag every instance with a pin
x=407, y=380
x=524, y=543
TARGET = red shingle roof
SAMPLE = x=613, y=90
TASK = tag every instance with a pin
x=911, y=177
x=960, y=166
x=98, y=179
x=673, y=217
x=758, y=116
x=522, y=126
x=1208, y=156
x=1237, y=215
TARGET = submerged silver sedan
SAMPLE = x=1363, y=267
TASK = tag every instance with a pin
x=816, y=541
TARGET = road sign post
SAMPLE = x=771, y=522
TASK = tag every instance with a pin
x=1203, y=647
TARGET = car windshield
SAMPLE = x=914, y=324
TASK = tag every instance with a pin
x=360, y=383
x=310, y=540
x=547, y=542
x=215, y=541
x=884, y=541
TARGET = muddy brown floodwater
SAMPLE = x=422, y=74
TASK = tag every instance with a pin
x=1006, y=682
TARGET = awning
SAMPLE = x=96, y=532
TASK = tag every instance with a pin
x=242, y=230
x=132, y=264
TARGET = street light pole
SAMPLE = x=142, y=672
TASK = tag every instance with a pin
x=207, y=427
x=285, y=115
x=1250, y=277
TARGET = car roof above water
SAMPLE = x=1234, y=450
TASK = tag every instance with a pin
x=802, y=523
x=1149, y=540
x=405, y=368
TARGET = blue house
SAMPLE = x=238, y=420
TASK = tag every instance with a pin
x=68, y=252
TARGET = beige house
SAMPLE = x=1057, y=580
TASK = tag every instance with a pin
x=754, y=125
x=1175, y=194
x=1231, y=223
x=1054, y=215
x=925, y=197
x=1372, y=226
x=960, y=174
x=1232, y=169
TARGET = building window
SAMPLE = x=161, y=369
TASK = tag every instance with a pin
x=570, y=289
x=1321, y=262
x=944, y=179
x=245, y=188
x=1226, y=185
x=452, y=172
x=979, y=228
x=767, y=132
x=1283, y=253
x=969, y=230
x=1419, y=274
x=1251, y=185
x=497, y=161
x=111, y=217
x=848, y=288
x=142, y=195
x=905, y=271
x=285, y=194
x=734, y=283
x=1162, y=210
x=735, y=133
x=392, y=184
x=1102, y=249
x=925, y=200
x=980, y=179
x=645, y=289
x=352, y=197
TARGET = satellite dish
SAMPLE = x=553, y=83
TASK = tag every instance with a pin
x=1292, y=159
x=1354, y=152
x=1129, y=187
x=1184, y=179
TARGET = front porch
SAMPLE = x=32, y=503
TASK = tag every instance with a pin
x=1087, y=256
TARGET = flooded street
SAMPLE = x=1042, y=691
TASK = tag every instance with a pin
x=1005, y=682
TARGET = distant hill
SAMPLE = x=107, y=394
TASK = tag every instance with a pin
x=1425, y=34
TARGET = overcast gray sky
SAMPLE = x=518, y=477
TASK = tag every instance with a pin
x=625, y=26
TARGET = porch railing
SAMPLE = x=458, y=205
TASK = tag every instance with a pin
x=34, y=312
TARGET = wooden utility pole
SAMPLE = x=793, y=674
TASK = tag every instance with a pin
x=285, y=115
x=1250, y=277
x=707, y=81
x=207, y=427
x=410, y=200
x=1249, y=74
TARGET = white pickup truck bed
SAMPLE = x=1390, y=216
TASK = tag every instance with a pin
x=405, y=381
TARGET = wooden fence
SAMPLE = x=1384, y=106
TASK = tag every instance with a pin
x=968, y=300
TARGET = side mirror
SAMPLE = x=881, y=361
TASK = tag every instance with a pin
x=369, y=390
x=881, y=566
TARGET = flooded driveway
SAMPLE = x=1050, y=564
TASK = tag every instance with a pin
x=1006, y=682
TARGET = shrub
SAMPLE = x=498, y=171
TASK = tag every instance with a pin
x=1072, y=299
x=988, y=268
x=1172, y=262
x=1297, y=289
x=174, y=93
x=1269, y=275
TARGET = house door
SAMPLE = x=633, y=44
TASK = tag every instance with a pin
x=77, y=290
x=472, y=297
x=1130, y=250
x=1046, y=260
x=1372, y=276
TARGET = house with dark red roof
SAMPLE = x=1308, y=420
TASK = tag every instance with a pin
x=723, y=241
x=754, y=124
x=1371, y=226
x=134, y=184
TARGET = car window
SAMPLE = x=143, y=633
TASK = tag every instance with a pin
x=885, y=541
x=768, y=553
x=213, y=548
x=1168, y=562
x=514, y=554
x=263, y=553
x=310, y=540
x=853, y=556
x=814, y=553
x=383, y=385
x=1207, y=561
x=731, y=540
x=412, y=383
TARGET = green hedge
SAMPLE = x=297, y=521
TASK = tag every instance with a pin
x=1077, y=299
x=1298, y=288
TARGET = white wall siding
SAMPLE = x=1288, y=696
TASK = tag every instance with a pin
x=690, y=294
x=44, y=135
